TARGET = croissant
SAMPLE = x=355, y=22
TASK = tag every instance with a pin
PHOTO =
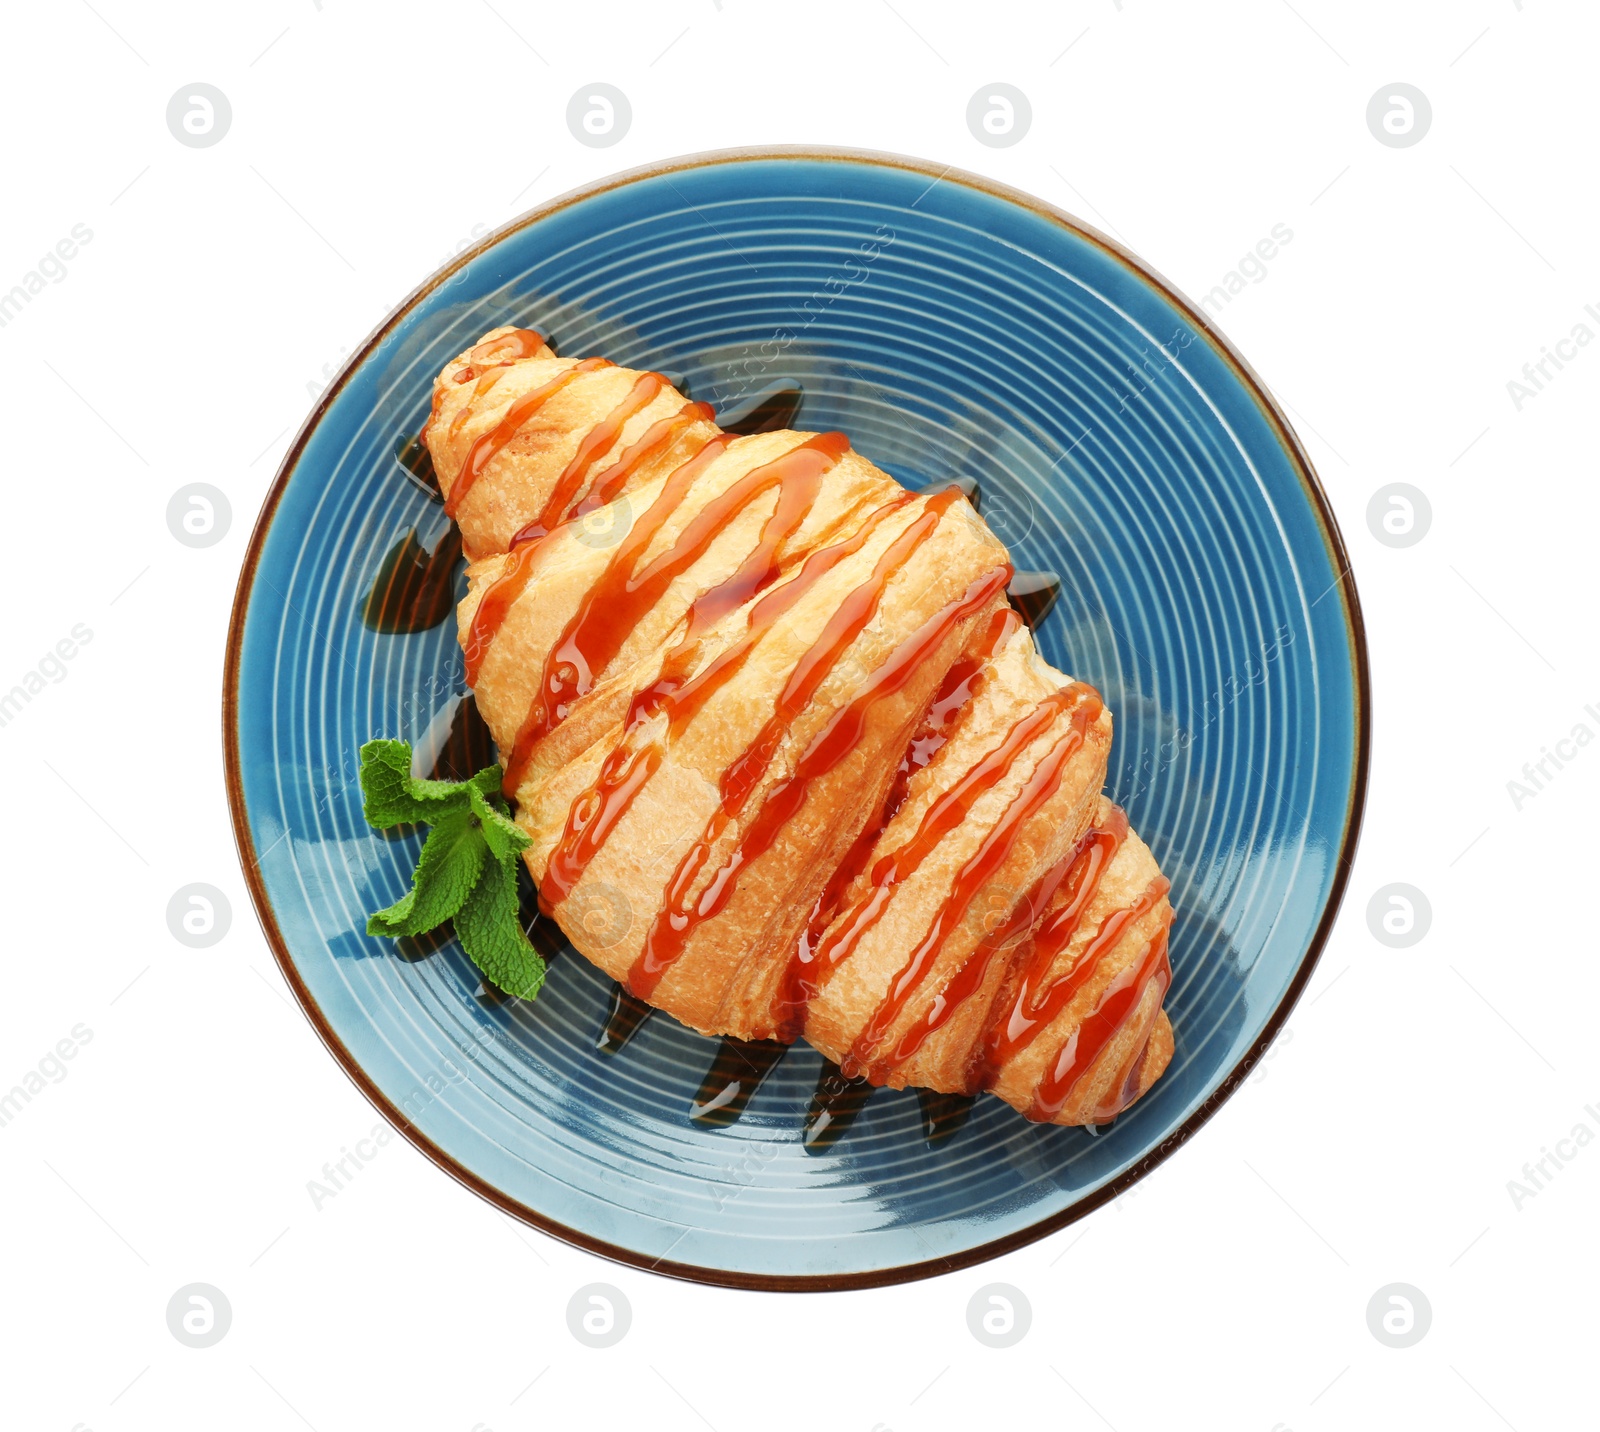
x=790, y=763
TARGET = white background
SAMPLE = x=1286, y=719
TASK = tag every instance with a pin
x=370, y=141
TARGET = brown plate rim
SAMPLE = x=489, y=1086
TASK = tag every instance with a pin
x=831, y=1282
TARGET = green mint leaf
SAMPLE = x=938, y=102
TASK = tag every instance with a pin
x=503, y=835
x=490, y=930
x=467, y=871
x=391, y=795
x=452, y=862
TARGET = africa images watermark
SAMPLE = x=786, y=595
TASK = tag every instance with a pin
x=1253, y=673
x=1537, y=775
x=1538, y=374
x=51, y=668
x=1252, y=266
x=52, y=266
x=1538, y=1175
x=1151, y=368
x=339, y=1173
x=52, y=1066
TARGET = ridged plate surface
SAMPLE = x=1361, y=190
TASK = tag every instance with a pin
x=953, y=330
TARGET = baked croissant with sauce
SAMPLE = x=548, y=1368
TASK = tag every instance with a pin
x=790, y=763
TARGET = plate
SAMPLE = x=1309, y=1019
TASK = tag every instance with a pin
x=956, y=330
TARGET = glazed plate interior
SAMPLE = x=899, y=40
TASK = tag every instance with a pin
x=955, y=331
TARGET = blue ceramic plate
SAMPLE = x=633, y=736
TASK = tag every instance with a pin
x=954, y=329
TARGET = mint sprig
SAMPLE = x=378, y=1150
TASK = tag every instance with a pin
x=467, y=871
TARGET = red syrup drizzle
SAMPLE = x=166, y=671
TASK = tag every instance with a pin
x=1027, y=1020
x=680, y=914
x=486, y=382
x=1128, y=1089
x=518, y=343
x=827, y=750
x=1082, y=703
x=941, y=817
x=614, y=606
x=598, y=441
x=1131, y=1084
x=594, y=814
x=515, y=346
x=499, y=599
x=614, y=479
x=500, y=352
x=1035, y=1004
x=837, y=739
x=502, y=595
x=517, y=416
x=1115, y=1007
x=487, y=363
x=960, y=685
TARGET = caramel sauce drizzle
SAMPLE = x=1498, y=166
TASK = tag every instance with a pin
x=517, y=416
x=618, y=581
x=837, y=739
x=611, y=482
x=506, y=349
x=798, y=475
x=493, y=608
x=946, y=812
x=832, y=745
x=796, y=990
x=1117, y=1004
x=504, y=592
x=1025, y=1022
x=1083, y=704
x=613, y=606
x=679, y=915
x=487, y=362
x=1035, y=1003
x=960, y=685
x=1128, y=1088
x=593, y=815
x=598, y=441
x=481, y=389
x=597, y=632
